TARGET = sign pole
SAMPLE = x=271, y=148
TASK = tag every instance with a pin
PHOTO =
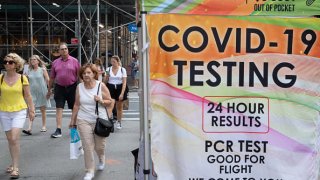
x=145, y=102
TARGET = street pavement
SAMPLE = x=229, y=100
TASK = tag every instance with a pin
x=45, y=158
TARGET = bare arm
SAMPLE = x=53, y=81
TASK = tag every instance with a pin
x=106, y=97
x=50, y=87
x=106, y=78
x=124, y=83
x=46, y=76
x=106, y=100
x=28, y=98
x=75, y=109
x=107, y=75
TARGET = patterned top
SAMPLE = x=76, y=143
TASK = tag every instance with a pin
x=38, y=88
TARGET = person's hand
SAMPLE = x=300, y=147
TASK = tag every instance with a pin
x=97, y=98
x=121, y=97
x=31, y=114
x=72, y=125
x=48, y=94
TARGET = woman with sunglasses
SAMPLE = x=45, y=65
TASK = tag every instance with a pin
x=15, y=93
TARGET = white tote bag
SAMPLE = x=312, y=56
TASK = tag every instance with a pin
x=76, y=149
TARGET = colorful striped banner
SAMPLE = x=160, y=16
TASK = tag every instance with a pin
x=234, y=97
x=234, y=7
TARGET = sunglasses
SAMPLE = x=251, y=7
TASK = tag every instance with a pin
x=9, y=62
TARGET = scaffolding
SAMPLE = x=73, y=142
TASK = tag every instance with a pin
x=92, y=29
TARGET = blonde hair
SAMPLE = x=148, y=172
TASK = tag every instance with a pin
x=19, y=61
x=117, y=59
x=41, y=63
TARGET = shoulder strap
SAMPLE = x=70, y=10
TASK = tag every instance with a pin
x=97, y=112
x=2, y=76
x=21, y=79
x=1, y=82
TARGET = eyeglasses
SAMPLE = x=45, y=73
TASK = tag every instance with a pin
x=8, y=62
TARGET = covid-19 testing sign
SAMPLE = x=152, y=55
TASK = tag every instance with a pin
x=235, y=97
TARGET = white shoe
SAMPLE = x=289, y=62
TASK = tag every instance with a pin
x=118, y=125
x=88, y=176
x=101, y=166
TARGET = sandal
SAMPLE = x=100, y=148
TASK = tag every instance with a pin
x=27, y=132
x=43, y=130
x=9, y=169
x=14, y=174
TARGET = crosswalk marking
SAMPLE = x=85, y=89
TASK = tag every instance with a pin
x=130, y=119
x=68, y=112
x=132, y=114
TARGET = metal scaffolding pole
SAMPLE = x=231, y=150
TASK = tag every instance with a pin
x=49, y=36
x=115, y=47
x=146, y=100
x=31, y=28
x=7, y=31
x=42, y=32
x=98, y=25
x=54, y=16
x=106, y=36
x=79, y=32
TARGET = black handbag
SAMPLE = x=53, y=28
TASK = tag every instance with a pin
x=103, y=127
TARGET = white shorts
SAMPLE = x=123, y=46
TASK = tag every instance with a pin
x=11, y=120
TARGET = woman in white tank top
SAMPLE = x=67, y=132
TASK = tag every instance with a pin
x=84, y=116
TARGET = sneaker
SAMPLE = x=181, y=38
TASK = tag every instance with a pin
x=101, y=166
x=57, y=134
x=88, y=176
x=118, y=125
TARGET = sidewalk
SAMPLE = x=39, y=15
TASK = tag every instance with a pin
x=44, y=158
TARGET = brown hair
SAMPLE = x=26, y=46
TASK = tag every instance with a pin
x=93, y=69
x=98, y=61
